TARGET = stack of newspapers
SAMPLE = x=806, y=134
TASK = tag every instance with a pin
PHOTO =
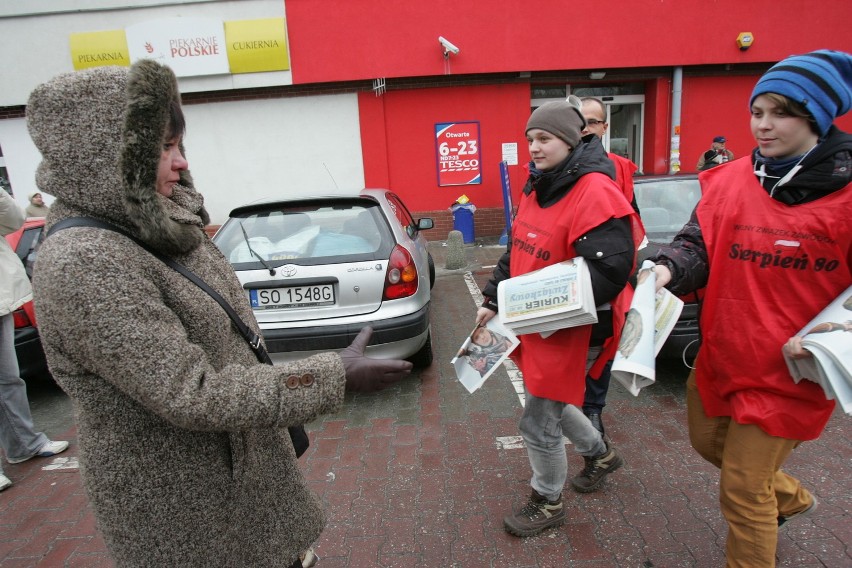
x=829, y=338
x=551, y=298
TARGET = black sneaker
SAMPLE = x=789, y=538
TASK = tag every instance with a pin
x=782, y=520
x=597, y=467
x=536, y=516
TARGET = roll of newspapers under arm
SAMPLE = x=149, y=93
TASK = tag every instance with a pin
x=650, y=320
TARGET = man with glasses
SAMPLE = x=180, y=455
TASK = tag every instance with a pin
x=594, y=111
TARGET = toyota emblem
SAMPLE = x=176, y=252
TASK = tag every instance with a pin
x=288, y=270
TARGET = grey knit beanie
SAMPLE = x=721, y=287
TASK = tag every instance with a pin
x=563, y=119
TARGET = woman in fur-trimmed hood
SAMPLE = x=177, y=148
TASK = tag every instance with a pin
x=183, y=443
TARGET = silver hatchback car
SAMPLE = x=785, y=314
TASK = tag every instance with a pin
x=317, y=270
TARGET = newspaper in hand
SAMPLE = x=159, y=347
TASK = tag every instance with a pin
x=482, y=352
x=652, y=316
x=829, y=338
x=551, y=298
x=667, y=310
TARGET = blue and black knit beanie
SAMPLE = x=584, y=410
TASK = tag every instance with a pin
x=821, y=81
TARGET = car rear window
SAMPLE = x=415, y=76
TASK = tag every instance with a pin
x=666, y=205
x=306, y=234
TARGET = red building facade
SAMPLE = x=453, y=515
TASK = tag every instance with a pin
x=512, y=56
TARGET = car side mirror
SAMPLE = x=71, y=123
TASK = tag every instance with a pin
x=425, y=223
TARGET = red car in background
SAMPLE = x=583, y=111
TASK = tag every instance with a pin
x=28, y=348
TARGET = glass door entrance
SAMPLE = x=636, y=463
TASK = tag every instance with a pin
x=625, y=110
x=624, y=135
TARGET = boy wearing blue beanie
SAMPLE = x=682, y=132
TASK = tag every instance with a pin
x=818, y=81
x=770, y=241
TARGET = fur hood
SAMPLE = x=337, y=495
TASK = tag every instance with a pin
x=100, y=133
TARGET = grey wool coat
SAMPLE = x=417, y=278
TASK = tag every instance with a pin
x=183, y=444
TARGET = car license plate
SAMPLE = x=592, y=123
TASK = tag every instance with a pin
x=295, y=297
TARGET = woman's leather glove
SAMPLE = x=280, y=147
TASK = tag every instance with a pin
x=364, y=374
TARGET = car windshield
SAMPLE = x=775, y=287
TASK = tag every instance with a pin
x=665, y=205
x=305, y=233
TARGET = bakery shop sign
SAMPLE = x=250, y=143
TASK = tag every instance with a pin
x=194, y=46
x=190, y=46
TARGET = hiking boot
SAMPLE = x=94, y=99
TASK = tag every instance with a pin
x=597, y=467
x=597, y=422
x=536, y=516
x=801, y=514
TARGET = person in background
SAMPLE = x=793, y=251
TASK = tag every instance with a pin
x=36, y=208
x=184, y=447
x=594, y=111
x=717, y=154
x=18, y=437
x=787, y=202
x=570, y=206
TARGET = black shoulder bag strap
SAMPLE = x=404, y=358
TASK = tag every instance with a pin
x=297, y=433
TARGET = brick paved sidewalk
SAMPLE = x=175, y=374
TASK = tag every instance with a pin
x=414, y=477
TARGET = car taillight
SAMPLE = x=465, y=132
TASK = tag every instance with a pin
x=21, y=319
x=401, y=278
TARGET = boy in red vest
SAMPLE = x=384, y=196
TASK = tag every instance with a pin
x=770, y=240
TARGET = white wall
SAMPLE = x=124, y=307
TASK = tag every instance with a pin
x=240, y=152
x=243, y=151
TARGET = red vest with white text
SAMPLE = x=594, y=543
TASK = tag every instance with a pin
x=554, y=368
x=773, y=267
x=624, y=170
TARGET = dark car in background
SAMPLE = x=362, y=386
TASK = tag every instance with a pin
x=665, y=205
x=318, y=269
x=31, y=360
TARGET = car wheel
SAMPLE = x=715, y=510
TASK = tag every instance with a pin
x=431, y=272
x=423, y=358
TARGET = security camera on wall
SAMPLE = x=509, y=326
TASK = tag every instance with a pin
x=448, y=47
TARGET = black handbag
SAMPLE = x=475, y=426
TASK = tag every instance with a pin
x=298, y=435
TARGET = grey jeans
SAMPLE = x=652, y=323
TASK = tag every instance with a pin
x=17, y=433
x=543, y=425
